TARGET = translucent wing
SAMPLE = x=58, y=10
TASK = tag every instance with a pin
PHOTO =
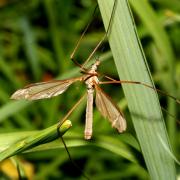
x=109, y=110
x=44, y=90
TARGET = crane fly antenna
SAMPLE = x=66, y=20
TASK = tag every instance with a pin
x=105, y=35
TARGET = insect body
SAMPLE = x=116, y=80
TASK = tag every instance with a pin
x=90, y=83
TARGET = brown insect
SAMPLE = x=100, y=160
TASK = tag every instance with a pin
x=56, y=87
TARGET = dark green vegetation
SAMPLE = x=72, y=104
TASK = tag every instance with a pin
x=36, y=40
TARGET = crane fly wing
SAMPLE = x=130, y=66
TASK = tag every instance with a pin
x=110, y=110
x=44, y=90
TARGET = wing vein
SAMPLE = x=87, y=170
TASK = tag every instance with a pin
x=110, y=110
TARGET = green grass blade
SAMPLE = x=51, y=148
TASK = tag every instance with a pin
x=143, y=103
x=105, y=142
x=30, y=139
x=161, y=40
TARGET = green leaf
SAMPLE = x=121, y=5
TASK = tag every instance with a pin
x=143, y=102
x=161, y=40
x=101, y=141
x=20, y=142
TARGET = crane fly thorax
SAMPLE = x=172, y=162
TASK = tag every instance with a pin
x=90, y=82
x=92, y=78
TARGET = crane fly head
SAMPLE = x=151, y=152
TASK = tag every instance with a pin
x=98, y=62
x=95, y=65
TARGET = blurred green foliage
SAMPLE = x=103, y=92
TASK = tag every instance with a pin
x=36, y=41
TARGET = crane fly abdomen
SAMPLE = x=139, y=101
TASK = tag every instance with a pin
x=89, y=114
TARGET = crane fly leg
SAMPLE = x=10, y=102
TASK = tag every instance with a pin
x=70, y=111
x=113, y=81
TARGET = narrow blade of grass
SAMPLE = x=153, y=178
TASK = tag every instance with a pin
x=30, y=139
x=161, y=40
x=143, y=103
x=109, y=143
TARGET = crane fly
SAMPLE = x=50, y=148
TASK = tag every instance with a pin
x=56, y=87
x=104, y=103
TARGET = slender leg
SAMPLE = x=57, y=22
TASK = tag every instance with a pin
x=105, y=35
x=100, y=42
x=113, y=81
x=70, y=111
x=95, y=49
x=80, y=39
x=62, y=139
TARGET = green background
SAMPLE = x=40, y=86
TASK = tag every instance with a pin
x=36, y=41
